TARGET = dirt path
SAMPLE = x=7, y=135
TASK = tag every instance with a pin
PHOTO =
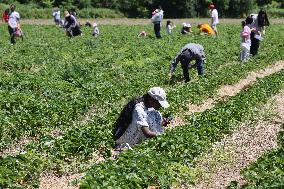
x=65, y=182
x=240, y=149
x=232, y=90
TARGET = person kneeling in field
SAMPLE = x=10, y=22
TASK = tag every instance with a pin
x=188, y=53
x=186, y=29
x=140, y=119
x=142, y=34
x=205, y=29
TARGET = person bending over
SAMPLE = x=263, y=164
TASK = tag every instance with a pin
x=140, y=118
x=188, y=53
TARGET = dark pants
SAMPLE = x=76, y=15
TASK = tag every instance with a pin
x=157, y=29
x=185, y=67
x=12, y=34
x=74, y=31
x=254, y=44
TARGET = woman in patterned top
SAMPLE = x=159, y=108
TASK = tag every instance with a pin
x=140, y=118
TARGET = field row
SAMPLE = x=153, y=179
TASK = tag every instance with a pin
x=54, y=88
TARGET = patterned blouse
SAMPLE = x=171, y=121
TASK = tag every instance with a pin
x=141, y=117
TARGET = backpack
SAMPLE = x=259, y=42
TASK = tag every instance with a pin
x=125, y=117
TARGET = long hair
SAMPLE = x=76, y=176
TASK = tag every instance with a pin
x=262, y=19
x=168, y=22
x=125, y=117
x=249, y=20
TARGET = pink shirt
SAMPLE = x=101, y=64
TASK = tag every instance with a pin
x=245, y=34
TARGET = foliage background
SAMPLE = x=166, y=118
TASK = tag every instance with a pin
x=143, y=8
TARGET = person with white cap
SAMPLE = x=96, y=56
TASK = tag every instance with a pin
x=96, y=30
x=157, y=17
x=140, y=118
x=214, y=18
x=186, y=28
x=189, y=52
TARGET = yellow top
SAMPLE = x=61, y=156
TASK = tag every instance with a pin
x=205, y=28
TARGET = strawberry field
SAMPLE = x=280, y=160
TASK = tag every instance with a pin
x=60, y=98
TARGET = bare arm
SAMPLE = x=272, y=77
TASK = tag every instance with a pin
x=149, y=134
x=174, y=64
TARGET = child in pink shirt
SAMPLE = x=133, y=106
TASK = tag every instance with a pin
x=245, y=42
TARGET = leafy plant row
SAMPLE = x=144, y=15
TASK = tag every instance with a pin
x=52, y=89
x=81, y=138
x=161, y=161
x=267, y=171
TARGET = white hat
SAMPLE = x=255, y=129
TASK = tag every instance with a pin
x=188, y=25
x=95, y=25
x=160, y=95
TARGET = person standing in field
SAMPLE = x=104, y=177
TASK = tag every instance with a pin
x=157, y=17
x=205, y=29
x=258, y=28
x=188, y=53
x=214, y=18
x=245, y=41
x=5, y=15
x=140, y=118
x=13, y=23
x=56, y=16
x=169, y=27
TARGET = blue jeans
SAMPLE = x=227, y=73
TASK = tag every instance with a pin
x=157, y=29
x=185, y=65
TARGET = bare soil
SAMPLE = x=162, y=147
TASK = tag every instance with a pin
x=240, y=149
x=232, y=90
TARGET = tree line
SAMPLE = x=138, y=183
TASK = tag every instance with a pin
x=172, y=8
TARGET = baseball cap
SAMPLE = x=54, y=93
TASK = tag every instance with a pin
x=160, y=95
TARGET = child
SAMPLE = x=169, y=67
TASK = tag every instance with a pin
x=186, y=28
x=96, y=31
x=18, y=32
x=56, y=16
x=169, y=27
x=142, y=34
x=245, y=42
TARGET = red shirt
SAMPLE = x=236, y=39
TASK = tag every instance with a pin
x=5, y=17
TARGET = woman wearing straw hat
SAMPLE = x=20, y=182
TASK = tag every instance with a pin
x=140, y=118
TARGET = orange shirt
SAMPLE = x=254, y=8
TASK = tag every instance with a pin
x=205, y=28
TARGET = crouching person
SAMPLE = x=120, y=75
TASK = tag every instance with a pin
x=188, y=53
x=70, y=24
x=140, y=119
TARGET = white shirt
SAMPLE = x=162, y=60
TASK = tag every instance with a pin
x=14, y=19
x=96, y=31
x=169, y=29
x=141, y=117
x=56, y=15
x=158, y=17
x=214, y=15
